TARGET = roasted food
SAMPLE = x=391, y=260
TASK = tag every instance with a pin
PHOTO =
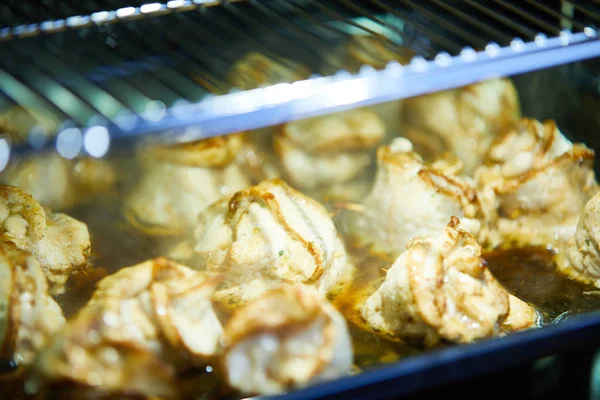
x=58, y=183
x=18, y=122
x=139, y=322
x=270, y=234
x=520, y=316
x=463, y=121
x=255, y=70
x=287, y=338
x=391, y=229
x=321, y=152
x=579, y=258
x=29, y=316
x=540, y=181
x=411, y=199
x=179, y=181
x=60, y=243
x=362, y=50
x=440, y=289
x=369, y=50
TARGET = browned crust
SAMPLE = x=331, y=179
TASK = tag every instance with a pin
x=13, y=312
x=385, y=155
x=36, y=226
x=424, y=143
x=464, y=193
x=438, y=301
x=423, y=308
x=162, y=301
x=263, y=195
x=369, y=50
x=213, y=152
x=349, y=144
x=510, y=110
x=151, y=229
x=256, y=68
x=578, y=154
x=297, y=309
x=510, y=113
x=17, y=260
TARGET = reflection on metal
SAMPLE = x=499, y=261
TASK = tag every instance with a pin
x=160, y=67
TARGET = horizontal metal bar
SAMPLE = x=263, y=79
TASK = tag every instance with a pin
x=105, y=17
x=286, y=102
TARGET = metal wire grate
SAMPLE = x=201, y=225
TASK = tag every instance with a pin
x=26, y=12
x=126, y=68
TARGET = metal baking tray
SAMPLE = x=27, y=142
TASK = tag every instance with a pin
x=417, y=374
x=523, y=41
x=571, y=96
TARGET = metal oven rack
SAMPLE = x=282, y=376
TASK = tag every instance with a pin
x=116, y=69
x=153, y=67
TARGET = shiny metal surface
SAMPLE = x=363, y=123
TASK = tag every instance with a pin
x=152, y=67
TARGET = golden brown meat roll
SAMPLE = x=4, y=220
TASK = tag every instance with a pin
x=271, y=234
x=441, y=289
x=579, y=257
x=463, y=121
x=179, y=181
x=256, y=69
x=60, y=243
x=540, y=181
x=29, y=316
x=287, y=338
x=58, y=183
x=410, y=198
x=139, y=320
x=318, y=154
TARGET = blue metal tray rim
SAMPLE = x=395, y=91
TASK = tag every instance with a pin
x=451, y=364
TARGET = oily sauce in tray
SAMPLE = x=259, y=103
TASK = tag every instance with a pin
x=526, y=272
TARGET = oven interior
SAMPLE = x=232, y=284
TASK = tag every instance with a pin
x=100, y=78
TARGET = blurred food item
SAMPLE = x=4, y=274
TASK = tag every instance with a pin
x=270, y=234
x=579, y=258
x=361, y=50
x=18, y=122
x=463, y=121
x=140, y=323
x=520, y=316
x=256, y=69
x=58, y=183
x=60, y=243
x=411, y=199
x=178, y=181
x=540, y=180
x=29, y=317
x=319, y=153
x=285, y=339
x=441, y=289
